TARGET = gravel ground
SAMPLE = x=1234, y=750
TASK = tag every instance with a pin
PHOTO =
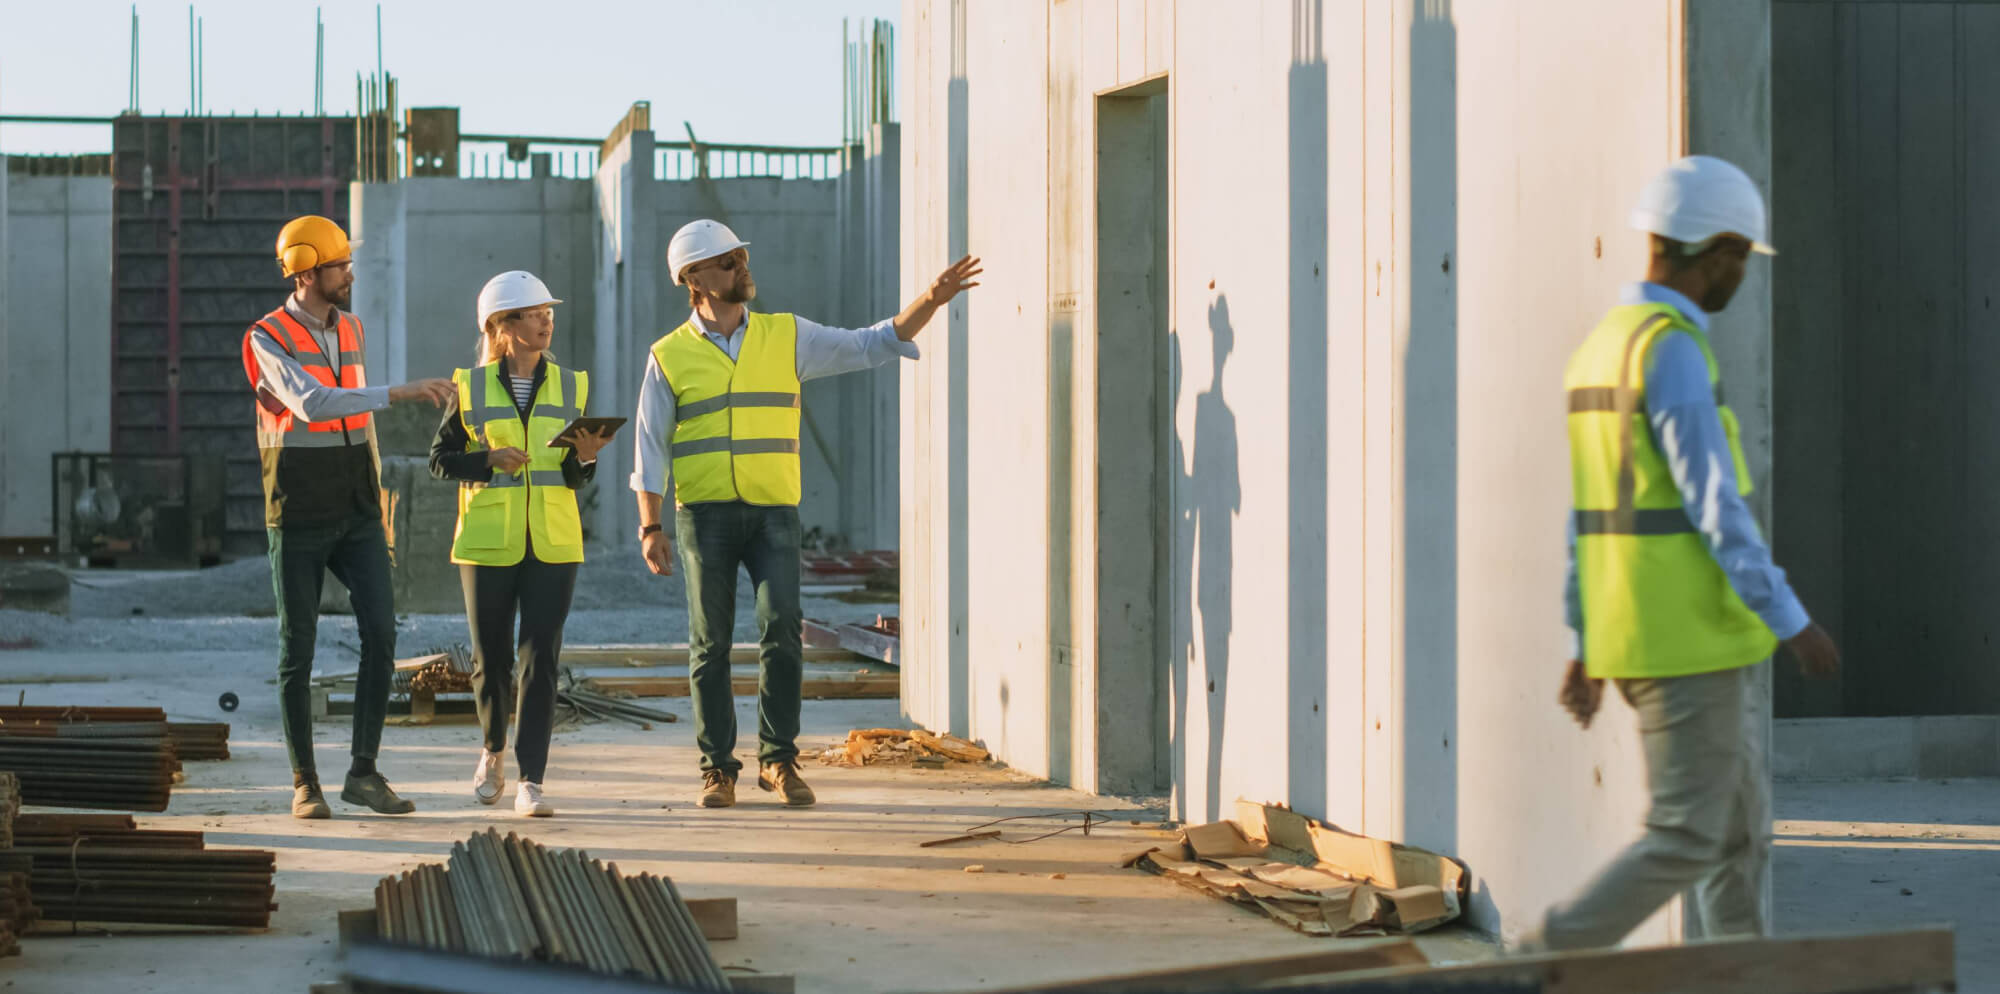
x=229, y=607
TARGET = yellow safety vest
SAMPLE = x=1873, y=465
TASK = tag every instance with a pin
x=1655, y=603
x=496, y=519
x=737, y=433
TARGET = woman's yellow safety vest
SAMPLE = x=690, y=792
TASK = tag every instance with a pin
x=737, y=433
x=496, y=519
x=1655, y=603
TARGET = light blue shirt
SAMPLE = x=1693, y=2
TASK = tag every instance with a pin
x=1687, y=431
x=822, y=351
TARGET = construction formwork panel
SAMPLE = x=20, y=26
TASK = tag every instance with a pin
x=197, y=205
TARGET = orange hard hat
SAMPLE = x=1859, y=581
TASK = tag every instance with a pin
x=310, y=242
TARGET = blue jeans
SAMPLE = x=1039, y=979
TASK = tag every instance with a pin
x=715, y=539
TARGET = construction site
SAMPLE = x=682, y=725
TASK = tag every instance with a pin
x=1182, y=611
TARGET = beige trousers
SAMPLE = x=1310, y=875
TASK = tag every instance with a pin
x=1709, y=826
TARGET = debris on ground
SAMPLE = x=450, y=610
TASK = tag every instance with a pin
x=1312, y=877
x=893, y=746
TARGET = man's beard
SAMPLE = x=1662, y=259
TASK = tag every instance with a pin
x=342, y=297
x=742, y=291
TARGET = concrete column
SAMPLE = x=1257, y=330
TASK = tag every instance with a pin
x=1728, y=59
x=382, y=265
x=6, y=412
x=630, y=260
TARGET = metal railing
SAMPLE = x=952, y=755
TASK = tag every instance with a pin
x=680, y=162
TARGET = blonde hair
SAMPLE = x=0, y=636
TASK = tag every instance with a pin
x=493, y=345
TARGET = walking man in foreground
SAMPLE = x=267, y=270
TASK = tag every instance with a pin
x=719, y=413
x=322, y=498
x=1671, y=588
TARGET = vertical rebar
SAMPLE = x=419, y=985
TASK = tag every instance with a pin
x=650, y=938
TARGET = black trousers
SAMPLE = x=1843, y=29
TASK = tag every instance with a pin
x=539, y=593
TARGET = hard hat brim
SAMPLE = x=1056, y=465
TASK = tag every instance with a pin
x=697, y=260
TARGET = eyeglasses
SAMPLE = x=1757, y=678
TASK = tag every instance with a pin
x=727, y=263
x=538, y=312
x=345, y=265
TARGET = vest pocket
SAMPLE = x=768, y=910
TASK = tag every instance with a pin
x=483, y=522
x=562, y=525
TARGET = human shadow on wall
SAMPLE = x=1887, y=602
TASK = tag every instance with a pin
x=1181, y=529
x=1306, y=385
x=1429, y=721
x=1216, y=491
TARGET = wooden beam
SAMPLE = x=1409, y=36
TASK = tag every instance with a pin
x=1349, y=955
x=871, y=686
x=715, y=915
x=677, y=655
x=1918, y=960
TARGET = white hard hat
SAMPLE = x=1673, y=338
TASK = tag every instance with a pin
x=1701, y=197
x=512, y=290
x=698, y=240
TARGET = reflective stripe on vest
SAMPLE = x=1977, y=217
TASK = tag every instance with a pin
x=499, y=520
x=1655, y=603
x=277, y=426
x=736, y=423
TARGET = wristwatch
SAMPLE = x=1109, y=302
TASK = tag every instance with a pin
x=647, y=530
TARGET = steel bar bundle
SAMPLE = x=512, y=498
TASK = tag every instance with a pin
x=112, y=830
x=95, y=882
x=582, y=698
x=510, y=898
x=123, y=774
x=193, y=740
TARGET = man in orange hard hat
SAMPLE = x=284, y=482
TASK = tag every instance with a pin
x=322, y=497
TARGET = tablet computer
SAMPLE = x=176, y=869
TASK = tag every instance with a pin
x=593, y=425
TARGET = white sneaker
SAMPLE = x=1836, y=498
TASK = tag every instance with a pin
x=487, y=780
x=528, y=801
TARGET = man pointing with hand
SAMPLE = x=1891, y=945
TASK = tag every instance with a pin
x=718, y=420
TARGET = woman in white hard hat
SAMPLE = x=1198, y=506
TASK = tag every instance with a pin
x=519, y=539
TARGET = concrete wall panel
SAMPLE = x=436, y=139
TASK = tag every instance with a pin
x=56, y=318
x=1390, y=223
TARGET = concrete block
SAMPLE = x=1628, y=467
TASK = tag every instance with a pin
x=1844, y=748
x=1958, y=746
x=422, y=516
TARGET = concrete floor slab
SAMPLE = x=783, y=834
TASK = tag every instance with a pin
x=840, y=894
x=1869, y=855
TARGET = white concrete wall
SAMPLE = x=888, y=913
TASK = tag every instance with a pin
x=55, y=323
x=1391, y=221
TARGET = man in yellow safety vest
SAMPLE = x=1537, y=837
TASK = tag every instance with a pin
x=1671, y=588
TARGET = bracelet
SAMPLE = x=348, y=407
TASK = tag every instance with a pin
x=647, y=530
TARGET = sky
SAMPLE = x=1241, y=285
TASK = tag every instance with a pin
x=740, y=71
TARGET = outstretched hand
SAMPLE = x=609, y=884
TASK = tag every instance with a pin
x=956, y=278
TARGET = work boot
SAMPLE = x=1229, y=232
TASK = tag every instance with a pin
x=487, y=780
x=528, y=802
x=784, y=778
x=372, y=791
x=718, y=788
x=308, y=802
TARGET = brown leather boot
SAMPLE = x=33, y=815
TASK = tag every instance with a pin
x=718, y=788
x=784, y=778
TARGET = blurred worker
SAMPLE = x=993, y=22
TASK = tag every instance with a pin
x=519, y=538
x=1670, y=587
x=719, y=417
x=322, y=498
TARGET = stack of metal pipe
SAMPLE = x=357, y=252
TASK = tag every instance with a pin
x=51, y=829
x=584, y=699
x=511, y=898
x=148, y=884
x=123, y=774
x=193, y=740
